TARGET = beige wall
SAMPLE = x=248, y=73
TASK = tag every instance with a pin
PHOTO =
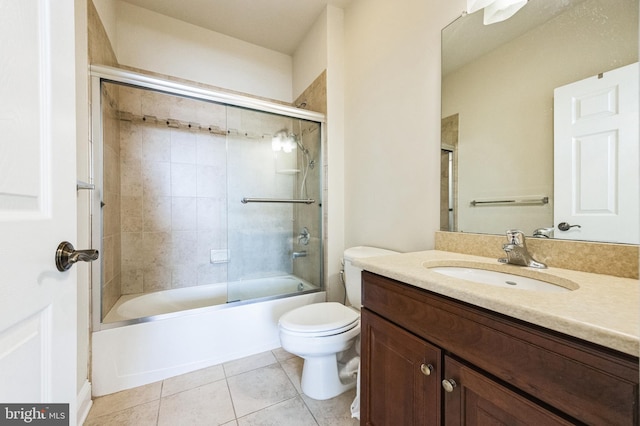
x=310, y=57
x=392, y=121
x=506, y=145
x=334, y=182
x=164, y=45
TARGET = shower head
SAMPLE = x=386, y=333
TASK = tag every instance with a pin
x=286, y=141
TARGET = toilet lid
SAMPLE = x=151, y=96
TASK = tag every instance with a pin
x=319, y=317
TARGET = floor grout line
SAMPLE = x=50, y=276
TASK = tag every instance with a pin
x=159, y=404
x=291, y=372
x=233, y=404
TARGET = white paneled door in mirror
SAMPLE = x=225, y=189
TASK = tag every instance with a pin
x=37, y=202
x=596, y=172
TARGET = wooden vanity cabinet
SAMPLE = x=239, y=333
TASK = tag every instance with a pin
x=505, y=371
x=396, y=395
x=478, y=400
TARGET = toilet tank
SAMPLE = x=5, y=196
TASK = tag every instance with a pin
x=353, y=274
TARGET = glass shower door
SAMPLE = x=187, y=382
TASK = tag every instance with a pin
x=161, y=171
x=274, y=205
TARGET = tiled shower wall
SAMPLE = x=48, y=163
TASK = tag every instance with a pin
x=181, y=166
x=111, y=198
x=173, y=182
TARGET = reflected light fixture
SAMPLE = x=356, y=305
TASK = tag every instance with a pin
x=495, y=10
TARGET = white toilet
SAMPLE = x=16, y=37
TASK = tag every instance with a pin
x=327, y=335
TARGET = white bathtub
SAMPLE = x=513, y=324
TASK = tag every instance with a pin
x=182, y=299
x=173, y=343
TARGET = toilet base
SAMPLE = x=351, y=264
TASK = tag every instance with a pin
x=321, y=379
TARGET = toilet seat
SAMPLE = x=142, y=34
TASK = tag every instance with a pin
x=319, y=319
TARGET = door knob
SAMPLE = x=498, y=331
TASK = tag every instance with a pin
x=66, y=256
x=564, y=226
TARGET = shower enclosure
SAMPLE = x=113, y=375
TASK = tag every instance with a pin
x=202, y=198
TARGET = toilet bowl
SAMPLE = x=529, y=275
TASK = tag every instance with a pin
x=327, y=335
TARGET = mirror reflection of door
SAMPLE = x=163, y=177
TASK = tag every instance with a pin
x=448, y=173
x=596, y=152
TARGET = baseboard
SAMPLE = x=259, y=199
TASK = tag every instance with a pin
x=84, y=402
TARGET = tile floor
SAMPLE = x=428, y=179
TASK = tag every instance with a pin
x=262, y=389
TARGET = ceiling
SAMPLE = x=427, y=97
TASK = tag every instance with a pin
x=278, y=25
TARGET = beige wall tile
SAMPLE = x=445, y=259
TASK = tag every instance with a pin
x=156, y=277
x=156, y=214
x=156, y=179
x=183, y=180
x=183, y=146
x=619, y=260
x=132, y=281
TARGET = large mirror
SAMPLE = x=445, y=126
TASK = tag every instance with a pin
x=500, y=126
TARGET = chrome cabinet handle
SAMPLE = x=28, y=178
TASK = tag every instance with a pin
x=564, y=226
x=449, y=385
x=66, y=256
x=426, y=369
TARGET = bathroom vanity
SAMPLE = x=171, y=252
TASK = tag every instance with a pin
x=440, y=350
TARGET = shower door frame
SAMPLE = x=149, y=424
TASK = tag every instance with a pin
x=100, y=73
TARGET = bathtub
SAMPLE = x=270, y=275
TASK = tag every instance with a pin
x=179, y=331
x=183, y=299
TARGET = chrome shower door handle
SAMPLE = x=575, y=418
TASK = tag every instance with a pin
x=66, y=256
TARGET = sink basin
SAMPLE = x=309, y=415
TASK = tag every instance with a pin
x=500, y=279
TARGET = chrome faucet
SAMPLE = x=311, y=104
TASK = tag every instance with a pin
x=297, y=254
x=517, y=253
x=543, y=233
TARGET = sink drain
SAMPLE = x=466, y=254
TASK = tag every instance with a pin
x=511, y=282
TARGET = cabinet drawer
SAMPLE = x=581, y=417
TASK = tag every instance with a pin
x=586, y=381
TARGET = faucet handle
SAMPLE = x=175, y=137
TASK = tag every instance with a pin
x=515, y=236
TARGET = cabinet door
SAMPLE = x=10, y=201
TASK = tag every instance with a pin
x=400, y=382
x=477, y=400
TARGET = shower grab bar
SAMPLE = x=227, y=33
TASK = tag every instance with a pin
x=543, y=200
x=276, y=200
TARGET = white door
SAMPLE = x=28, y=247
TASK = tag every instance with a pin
x=596, y=176
x=37, y=202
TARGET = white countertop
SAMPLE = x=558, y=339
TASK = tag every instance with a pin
x=603, y=310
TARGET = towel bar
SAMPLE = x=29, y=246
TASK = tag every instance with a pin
x=276, y=200
x=543, y=200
